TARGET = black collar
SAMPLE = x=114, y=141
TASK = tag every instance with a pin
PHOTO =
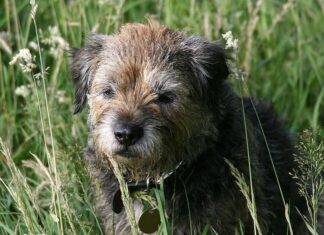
x=137, y=186
x=133, y=186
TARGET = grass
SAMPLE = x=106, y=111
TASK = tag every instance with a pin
x=309, y=175
x=44, y=187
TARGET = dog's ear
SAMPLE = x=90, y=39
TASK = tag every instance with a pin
x=84, y=64
x=208, y=61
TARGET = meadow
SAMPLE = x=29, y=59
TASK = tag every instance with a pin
x=44, y=186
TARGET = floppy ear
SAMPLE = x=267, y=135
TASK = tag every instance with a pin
x=208, y=61
x=84, y=64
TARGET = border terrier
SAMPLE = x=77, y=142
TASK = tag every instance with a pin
x=159, y=104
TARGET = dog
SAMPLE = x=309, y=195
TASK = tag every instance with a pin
x=160, y=106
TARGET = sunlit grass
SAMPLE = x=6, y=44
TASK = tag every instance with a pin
x=44, y=187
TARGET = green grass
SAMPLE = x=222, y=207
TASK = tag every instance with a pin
x=44, y=187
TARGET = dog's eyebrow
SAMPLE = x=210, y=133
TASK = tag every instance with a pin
x=101, y=84
x=162, y=80
x=166, y=86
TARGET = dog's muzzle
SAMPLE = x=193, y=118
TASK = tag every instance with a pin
x=127, y=134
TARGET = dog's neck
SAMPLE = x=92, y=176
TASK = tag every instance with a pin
x=139, y=186
x=149, y=182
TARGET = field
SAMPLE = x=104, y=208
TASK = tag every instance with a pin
x=44, y=186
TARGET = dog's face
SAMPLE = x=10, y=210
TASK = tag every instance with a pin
x=149, y=90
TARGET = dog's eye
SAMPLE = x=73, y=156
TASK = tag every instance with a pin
x=108, y=93
x=165, y=98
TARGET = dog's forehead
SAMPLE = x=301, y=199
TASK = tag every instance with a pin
x=138, y=43
x=129, y=64
x=152, y=56
x=129, y=74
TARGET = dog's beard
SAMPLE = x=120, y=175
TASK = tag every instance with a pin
x=149, y=157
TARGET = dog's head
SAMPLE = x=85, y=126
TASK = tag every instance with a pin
x=150, y=91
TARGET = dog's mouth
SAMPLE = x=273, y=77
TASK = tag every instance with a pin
x=125, y=152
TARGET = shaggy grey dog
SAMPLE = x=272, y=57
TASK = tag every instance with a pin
x=160, y=104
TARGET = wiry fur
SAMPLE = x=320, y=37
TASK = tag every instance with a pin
x=123, y=76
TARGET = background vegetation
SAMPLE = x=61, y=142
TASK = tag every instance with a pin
x=44, y=187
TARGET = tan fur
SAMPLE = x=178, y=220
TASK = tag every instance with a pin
x=136, y=70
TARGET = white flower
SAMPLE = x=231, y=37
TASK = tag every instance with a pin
x=54, y=217
x=61, y=98
x=37, y=76
x=25, y=59
x=56, y=42
x=34, y=8
x=230, y=41
x=33, y=45
x=103, y=2
x=23, y=91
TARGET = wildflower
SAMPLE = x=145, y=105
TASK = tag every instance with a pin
x=103, y=2
x=61, y=97
x=37, y=76
x=33, y=45
x=34, y=8
x=233, y=43
x=230, y=41
x=57, y=44
x=25, y=59
x=23, y=91
x=54, y=217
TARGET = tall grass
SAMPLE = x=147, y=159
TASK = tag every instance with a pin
x=44, y=187
x=309, y=175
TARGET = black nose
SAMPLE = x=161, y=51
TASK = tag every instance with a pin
x=127, y=134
